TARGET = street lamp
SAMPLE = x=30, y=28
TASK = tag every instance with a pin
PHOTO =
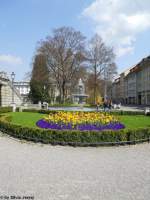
x=44, y=93
x=12, y=78
x=105, y=84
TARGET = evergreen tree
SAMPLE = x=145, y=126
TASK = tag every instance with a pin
x=39, y=80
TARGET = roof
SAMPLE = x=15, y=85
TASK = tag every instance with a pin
x=117, y=80
x=138, y=66
x=135, y=68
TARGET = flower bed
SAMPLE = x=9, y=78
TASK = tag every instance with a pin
x=92, y=121
x=72, y=137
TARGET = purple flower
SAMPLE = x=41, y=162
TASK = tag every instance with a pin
x=82, y=127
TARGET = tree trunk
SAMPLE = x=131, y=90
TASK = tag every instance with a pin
x=95, y=84
x=63, y=92
x=60, y=95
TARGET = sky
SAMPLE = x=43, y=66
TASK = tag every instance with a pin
x=125, y=25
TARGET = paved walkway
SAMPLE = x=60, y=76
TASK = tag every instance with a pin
x=133, y=108
x=66, y=173
x=124, y=108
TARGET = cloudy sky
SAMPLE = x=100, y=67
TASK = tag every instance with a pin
x=123, y=24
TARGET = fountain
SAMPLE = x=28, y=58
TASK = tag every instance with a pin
x=79, y=97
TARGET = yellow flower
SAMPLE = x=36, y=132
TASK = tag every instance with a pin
x=76, y=118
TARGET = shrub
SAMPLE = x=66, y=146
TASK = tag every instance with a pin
x=39, y=111
x=119, y=112
x=5, y=109
x=75, y=138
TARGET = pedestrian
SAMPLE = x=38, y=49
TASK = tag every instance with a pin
x=110, y=104
x=97, y=106
x=105, y=106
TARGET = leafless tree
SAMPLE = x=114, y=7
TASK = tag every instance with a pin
x=101, y=62
x=64, y=56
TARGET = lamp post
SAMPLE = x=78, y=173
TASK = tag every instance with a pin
x=12, y=78
x=105, y=83
x=44, y=87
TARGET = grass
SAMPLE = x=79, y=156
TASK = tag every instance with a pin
x=30, y=119
x=26, y=118
x=135, y=121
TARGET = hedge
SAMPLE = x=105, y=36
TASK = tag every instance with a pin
x=113, y=112
x=74, y=138
x=39, y=111
x=5, y=109
x=123, y=112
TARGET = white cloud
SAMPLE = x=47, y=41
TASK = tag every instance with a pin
x=121, y=51
x=10, y=59
x=119, y=21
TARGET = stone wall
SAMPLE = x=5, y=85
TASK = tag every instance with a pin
x=6, y=94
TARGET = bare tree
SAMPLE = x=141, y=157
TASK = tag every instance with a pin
x=97, y=90
x=64, y=56
x=27, y=76
x=101, y=61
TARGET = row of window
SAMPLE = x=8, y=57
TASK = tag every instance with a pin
x=23, y=90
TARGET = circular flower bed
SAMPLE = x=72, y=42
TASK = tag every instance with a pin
x=82, y=121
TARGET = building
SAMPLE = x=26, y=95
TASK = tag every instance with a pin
x=143, y=82
x=53, y=90
x=23, y=88
x=116, y=90
x=133, y=85
x=8, y=94
x=130, y=84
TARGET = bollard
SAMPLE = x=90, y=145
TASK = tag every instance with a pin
x=14, y=107
x=20, y=109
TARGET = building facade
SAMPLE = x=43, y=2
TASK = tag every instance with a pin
x=130, y=83
x=8, y=93
x=23, y=87
x=116, y=97
x=133, y=85
x=143, y=82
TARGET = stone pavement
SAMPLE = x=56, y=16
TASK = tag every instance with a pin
x=66, y=173
x=132, y=108
x=124, y=108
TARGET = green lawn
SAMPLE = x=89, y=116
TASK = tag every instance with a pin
x=30, y=119
x=26, y=118
x=135, y=121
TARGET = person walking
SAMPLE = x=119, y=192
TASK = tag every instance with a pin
x=105, y=106
x=97, y=106
x=110, y=105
